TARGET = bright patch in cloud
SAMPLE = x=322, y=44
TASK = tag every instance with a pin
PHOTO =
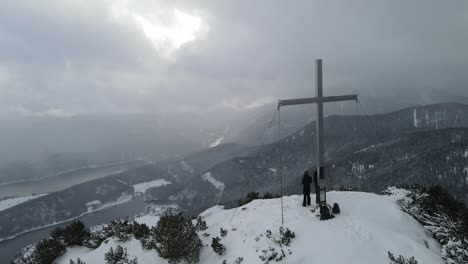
x=237, y=104
x=260, y=102
x=51, y=112
x=168, y=29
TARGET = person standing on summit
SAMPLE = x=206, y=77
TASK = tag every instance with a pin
x=306, y=181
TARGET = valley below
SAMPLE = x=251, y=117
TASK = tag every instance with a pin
x=422, y=145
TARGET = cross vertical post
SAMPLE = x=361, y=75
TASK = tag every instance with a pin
x=319, y=99
x=319, y=120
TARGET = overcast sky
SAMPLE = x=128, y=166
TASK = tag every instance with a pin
x=76, y=57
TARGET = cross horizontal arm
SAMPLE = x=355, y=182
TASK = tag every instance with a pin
x=315, y=100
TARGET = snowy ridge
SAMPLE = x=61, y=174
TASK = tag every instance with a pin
x=217, y=184
x=7, y=203
x=368, y=227
x=216, y=142
x=142, y=187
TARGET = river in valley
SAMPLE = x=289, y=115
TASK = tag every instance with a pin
x=9, y=248
x=60, y=181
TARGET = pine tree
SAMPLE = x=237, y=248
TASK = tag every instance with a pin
x=217, y=246
x=119, y=256
x=400, y=259
x=78, y=261
x=201, y=224
x=47, y=251
x=176, y=238
x=75, y=234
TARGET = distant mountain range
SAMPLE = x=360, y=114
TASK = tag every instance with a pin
x=421, y=145
x=424, y=145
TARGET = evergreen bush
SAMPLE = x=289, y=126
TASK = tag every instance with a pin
x=119, y=256
x=122, y=230
x=47, y=251
x=75, y=234
x=222, y=232
x=400, y=259
x=248, y=198
x=201, y=224
x=217, y=246
x=176, y=238
x=78, y=261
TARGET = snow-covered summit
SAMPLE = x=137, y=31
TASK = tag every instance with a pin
x=368, y=227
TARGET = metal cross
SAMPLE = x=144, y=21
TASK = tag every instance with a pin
x=319, y=100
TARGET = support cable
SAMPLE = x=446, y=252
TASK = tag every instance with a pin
x=255, y=160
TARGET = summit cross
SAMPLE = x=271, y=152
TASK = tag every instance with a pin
x=319, y=100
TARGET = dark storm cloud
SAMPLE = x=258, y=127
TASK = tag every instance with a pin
x=75, y=57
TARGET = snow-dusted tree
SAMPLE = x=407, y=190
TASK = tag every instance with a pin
x=78, y=261
x=75, y=234
x=222, y=232
x=122, y=230
x=285, y=236
x=400, y=259
x=95, y=239
x=119, y=256
x=217, y=246
x=140, y=230
x=201, y=224
x=47, y=251
x=248, y=198
x=442, y=215
x=176, y=238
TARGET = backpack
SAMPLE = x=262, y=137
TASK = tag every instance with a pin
x=336, y=208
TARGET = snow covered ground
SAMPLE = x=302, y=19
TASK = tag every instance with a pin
x=152, y=213
x=368, y=227
x=97, y=205
x=7, y=203
x=142, y=187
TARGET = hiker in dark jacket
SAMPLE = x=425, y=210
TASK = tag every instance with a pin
x=306, y=181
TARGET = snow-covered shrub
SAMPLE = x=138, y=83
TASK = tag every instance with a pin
x=78, y=261
x=122, y=230
x=176, y=238
x=268, y=195
x=346, y=188
x=95, y=239
x=238, y=260
x=285, y=237
x=222, y=232
x=201, y=224
x=271, y=254
x=400, y=259
x=279, y=250
x=119, y=256
x=140, y=231
x=46, y=252
x=217, y=246
x=255, y=195
x=440, y=214
x=75, y=234
x=248, y=198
